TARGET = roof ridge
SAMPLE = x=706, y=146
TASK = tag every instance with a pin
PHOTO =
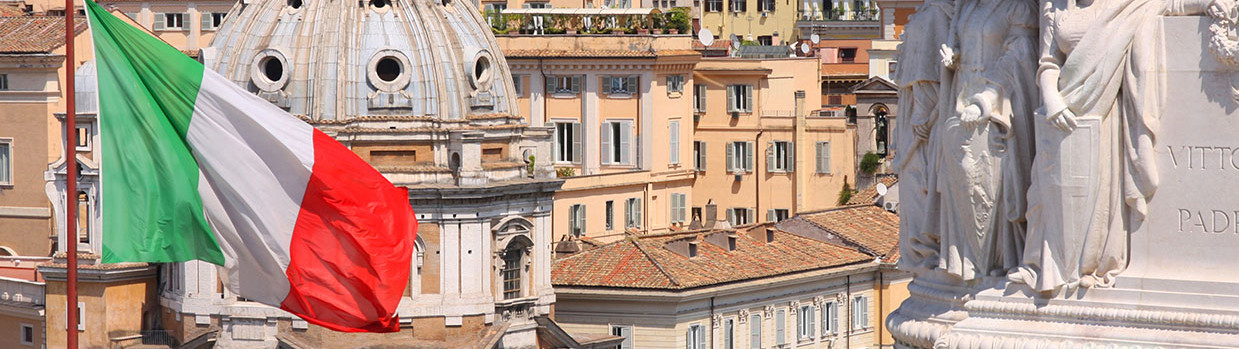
x=655, y=262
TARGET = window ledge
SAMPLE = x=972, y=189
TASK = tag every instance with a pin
x=563, y=95
x=515, y=301
x=674, y=94
x=619, y=95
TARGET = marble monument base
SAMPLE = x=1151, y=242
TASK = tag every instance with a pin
x=1181, y=286
x=1136, y=312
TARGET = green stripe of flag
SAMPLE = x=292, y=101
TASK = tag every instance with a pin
x=152, y=211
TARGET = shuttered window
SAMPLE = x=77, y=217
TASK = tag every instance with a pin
x=678, y=209
x=823, y=157
x=616, y=142
x=632, y=213
x=754, y=331
x=780, y=327
x=673, y=132
x=740, y=98
x=699, y=156
x=626, y=333
x=780, y=156
x=567, y=145
x=561, y=84
x=830, y=318
x=576, y=220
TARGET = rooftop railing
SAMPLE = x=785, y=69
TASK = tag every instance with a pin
x=553, y=21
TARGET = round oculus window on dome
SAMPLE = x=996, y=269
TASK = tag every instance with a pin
x=269, y=71
x=388, y=70
x=380, y=3
x=272, y=69
x=296, y=4
x=483, y=72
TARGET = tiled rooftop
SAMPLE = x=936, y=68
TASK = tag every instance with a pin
x=874, y=229
x=547, y=53
x=869, y=196
x=33, y=34
x=645, y=262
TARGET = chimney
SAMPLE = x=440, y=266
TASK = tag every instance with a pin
x=711, y=214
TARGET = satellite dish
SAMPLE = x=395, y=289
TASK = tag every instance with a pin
x=815, y=39
x=735, y=41
x=804, y=48
x=705, y=36
x=882, y=189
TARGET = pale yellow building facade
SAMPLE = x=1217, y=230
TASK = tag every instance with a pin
x=761, y=153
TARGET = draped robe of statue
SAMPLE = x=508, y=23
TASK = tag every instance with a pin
x=983, y=166
x=1092, y=185
x=918, y=77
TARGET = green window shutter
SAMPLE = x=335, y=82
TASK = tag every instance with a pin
x=673, y=130
x=701, y=157
x=607, y=84
x=791, y=156
x=552, y=84
x=731, y=98
x=607, y=150
x=581, y=216
x=748, y=157
x=576, y=142
x=625, y=142
x=731, y=154
x=637, y=215
x=572, y=221
x=748, y=98
x=576, y=84
x=770, y=154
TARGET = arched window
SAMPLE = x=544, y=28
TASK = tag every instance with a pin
x=415, y=276
x=513, y=273
x=880, y=133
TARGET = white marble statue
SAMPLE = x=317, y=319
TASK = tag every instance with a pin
x=984, y=144
x=919, y=77
x=1094, y=171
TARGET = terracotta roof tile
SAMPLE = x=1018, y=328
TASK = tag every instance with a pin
x=874, y=229
x=579, y=53
x=869, y=196
x=644, y=262
x=33, y=34
x=11, y=11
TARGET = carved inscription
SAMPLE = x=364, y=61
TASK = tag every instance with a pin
x=1200, y=157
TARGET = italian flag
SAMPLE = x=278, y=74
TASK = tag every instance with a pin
x=194, y=167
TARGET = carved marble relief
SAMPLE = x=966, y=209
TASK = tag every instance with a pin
x=991, y=85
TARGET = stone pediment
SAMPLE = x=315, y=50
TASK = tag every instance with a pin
x=875, y=84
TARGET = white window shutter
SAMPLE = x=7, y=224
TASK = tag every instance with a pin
x=204, y=18
x=770, y=215
x=791, y=156
x=834, y=317
x=701, y=337
x=748, y=98
x=770, y=161
x=748, y=157
x=625, y=142
x=688, y=338
x=576, y=142
x=608, y=153
x=627, y=213
x=780, y=328
x=673, y=132
x=731, y=216
x=750, y=213
x=821, y=162
x=809, y=324
x=608, y=85
x=731, y=155
x=161, y=21
x=632, y=84
x=626, y=332
x=555, y=142
x=576, y=84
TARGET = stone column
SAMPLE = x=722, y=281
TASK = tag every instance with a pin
x=537, y=100
x=646, y=139
x=590, y=123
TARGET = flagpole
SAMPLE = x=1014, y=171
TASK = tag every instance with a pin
x=71, y=233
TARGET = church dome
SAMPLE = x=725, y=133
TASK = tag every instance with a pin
x=335, y=60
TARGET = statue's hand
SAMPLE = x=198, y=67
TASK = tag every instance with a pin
x=1223, y=9
x=1064, y=120
x=948, y=55
x=922, y=131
